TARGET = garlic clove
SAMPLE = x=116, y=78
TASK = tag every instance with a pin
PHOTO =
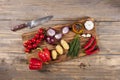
x=83, y=35
x=88, y=35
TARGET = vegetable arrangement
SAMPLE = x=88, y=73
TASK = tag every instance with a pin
x=54, y=37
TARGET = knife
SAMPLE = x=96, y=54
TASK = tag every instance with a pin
x=32, y=23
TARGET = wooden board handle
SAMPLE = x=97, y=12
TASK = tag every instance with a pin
x=15, y=28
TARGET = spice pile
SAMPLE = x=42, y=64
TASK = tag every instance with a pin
x=54, y=37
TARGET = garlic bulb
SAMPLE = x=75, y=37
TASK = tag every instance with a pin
x=89, y=25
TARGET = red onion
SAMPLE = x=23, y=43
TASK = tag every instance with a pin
x=51, y=32
x=58, y=36
x=65, y=29
x=50, y=40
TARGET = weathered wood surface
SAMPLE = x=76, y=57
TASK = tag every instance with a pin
x=103, y=66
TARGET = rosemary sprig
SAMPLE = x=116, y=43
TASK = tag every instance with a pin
x=74, y=47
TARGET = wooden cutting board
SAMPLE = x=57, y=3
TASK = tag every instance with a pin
x=68, y=37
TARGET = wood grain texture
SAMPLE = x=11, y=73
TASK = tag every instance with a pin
x=104, y=66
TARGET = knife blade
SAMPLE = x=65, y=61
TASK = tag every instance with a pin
x=32, y=23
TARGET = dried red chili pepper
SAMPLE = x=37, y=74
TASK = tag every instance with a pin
x=89, y=43
x=92, y=52
x=92, y=46
x=35, y=64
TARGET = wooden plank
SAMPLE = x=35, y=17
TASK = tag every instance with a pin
x=96, y=67
x=100, y=10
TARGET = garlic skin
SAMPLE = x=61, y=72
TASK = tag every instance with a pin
x=89, y=25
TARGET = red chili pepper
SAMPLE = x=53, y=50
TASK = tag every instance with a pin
x=92, y=52
x=92, y=46
x=47, y=54
x=88, y=44
x=35, y=64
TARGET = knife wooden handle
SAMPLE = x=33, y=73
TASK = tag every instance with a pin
x=15, y=28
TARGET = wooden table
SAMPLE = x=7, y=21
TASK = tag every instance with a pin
x=102, y=66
